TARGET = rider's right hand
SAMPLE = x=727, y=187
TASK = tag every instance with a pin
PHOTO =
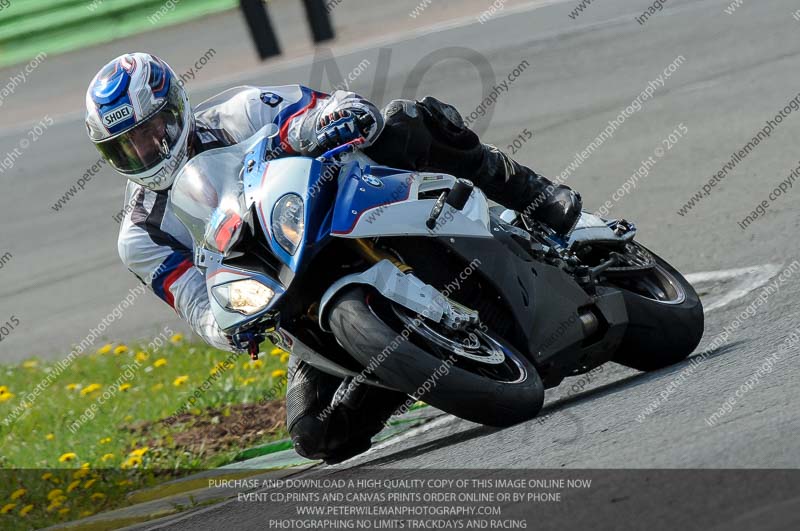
x=341, y=127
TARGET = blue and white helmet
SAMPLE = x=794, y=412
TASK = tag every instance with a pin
x=139, y=118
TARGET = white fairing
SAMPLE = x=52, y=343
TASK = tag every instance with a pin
x=407, y=217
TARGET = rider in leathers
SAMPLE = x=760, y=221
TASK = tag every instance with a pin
x=138, y=116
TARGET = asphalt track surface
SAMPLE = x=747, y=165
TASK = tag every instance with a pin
x=739, y=70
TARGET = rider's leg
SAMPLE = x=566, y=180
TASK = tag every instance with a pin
x=338, y=434
x=429, y=135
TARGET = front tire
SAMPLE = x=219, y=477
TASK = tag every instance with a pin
x=665, y=318
x=397, y=359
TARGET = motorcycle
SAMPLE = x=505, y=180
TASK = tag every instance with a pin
x=412, y=281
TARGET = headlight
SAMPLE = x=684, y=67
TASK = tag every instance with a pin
x=287, y=222
x=244, y=296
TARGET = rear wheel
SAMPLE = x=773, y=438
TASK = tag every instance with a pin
x=471, y=374
x=665, y=316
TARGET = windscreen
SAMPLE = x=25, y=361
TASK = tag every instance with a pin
x=207, y=195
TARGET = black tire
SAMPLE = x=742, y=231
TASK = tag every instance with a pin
x=659, y=333
x=408, y=367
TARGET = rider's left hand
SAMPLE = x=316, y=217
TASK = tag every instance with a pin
x=243, y=340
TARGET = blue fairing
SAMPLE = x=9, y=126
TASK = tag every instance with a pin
x=361, y=191
x=317, y=187
x=327, y=211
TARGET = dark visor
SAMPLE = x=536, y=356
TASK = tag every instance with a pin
x=146, y=145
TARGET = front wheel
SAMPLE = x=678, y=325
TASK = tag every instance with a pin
x=665, y=316
x=471, y=374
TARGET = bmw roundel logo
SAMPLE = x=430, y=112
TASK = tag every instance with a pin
x=372, y=181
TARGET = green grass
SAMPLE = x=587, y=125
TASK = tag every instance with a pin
x=123, y=447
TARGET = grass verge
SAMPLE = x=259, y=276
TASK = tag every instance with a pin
x=125, y=418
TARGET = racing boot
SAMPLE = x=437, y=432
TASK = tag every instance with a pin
x=320, y=427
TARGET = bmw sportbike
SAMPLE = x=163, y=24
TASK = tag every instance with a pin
x=412, y=281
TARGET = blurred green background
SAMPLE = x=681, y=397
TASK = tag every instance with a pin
x=28, y=27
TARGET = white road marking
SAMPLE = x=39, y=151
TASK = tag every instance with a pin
x=410, y=434
x=747, y=280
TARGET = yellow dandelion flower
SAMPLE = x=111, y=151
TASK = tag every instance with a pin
x=122, y=349
x=124, y=387
x=160, y=362
x=158, y=387
x=142, y=356
x=3, y=389
x=25, y=510
x=49, y=436
x=180, y=380
x=74, y=485
x=257, y=364
x=53, y=506
x=53, y=494
x=7, y=508
x=30, y=364
x=107, y=457
x=124, y=482
x=128, y=418
x=69, y=456
x=19, y=493
x=285, y=357
x=105, y=440
x=63, y=511
x=6, y=396
x=248, y=381
x=131, y=462
x=278, y=373
x=177, y=338
x=91, y=388
x=105, y=349
x=98, y=496
x=73, y=386
x=80, y=474
x=89, y=483
x=276, y=352
x=46, y=476
x=139, y=452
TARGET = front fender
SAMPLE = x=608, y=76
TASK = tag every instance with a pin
x=406, y=290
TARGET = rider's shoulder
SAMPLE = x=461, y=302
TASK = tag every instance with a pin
x=271, y=96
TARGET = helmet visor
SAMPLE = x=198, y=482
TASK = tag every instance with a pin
x=147, y=144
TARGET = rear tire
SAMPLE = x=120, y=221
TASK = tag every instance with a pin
x=660, y=332
x=407, y=367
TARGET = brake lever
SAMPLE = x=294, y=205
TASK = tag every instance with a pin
x=339, y=150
